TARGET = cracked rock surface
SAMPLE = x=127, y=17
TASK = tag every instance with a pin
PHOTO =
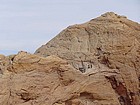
x=95, y=63
x=33, y=80
x=104, y=45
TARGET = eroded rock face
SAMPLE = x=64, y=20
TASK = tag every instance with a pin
x=33, y=80
x=110, y=43
x=96, y=63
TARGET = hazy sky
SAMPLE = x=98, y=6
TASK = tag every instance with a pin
x=27, y=24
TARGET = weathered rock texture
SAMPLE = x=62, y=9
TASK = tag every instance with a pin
x=96, y=63
x=108, y=44
x=32, y=80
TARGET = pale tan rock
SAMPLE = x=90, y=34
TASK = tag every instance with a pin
x=110, y=41
x=105, y=49
x=53, y=81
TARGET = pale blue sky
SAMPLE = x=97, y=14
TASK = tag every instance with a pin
x=27, y=24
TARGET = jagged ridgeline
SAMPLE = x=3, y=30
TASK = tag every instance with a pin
x=95, y=63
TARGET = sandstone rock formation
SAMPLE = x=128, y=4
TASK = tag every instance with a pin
x=95, y=63
x=107, y=44
x=32, y=80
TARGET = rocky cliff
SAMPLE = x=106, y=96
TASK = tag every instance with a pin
x=95, y=63
x=28, y=79
x=111, y=41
